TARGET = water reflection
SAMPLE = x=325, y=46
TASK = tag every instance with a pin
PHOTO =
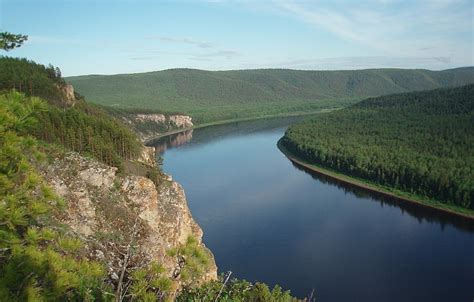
x=208, y=134
x=266, y=219
x=172, y=141
x=417, y=211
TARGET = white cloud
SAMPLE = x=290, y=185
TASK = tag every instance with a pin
x=345, y=63
x=395, y=28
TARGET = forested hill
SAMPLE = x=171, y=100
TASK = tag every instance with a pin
x=65, y=118
x=187, y=90
x=420, y=143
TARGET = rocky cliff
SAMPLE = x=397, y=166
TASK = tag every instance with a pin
x=181, y=121
x=68, y=95
x=147, y=156
x=151, y=125
x=116, y=214
x=156, y=118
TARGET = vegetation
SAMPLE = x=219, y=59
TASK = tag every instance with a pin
x=88, y=130
x=195, y=259
x=32, y=79
x=74, y=124
x=38, y=260
x=235, y=290
x=222, y=95
x=421, y=143
x=149, y=284
x=9, y=41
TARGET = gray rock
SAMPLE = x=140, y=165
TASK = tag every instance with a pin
x=102, y=205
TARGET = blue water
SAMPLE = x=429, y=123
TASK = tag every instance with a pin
x=266, y=219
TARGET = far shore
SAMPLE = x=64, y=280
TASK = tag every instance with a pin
x=373, y=187
x=223, y=122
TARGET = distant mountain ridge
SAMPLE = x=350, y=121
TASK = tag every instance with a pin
x=191, y=90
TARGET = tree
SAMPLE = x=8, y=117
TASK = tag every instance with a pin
x=417, y=142
x=39, y=261
x=9, y=41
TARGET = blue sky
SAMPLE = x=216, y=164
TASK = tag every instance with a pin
x=109, y=37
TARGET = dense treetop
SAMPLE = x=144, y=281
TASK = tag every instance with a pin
x=79, y=126
x=420, y=142
x=32, y=79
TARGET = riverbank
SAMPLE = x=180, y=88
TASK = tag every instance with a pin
x=223, y=122
x=404, y=196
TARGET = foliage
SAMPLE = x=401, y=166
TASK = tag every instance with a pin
x=83, y=127
x=9, y=41
x=38, y=261
x=234, y=290
x=222, y=95
x=88, y=130
x=194, y=258
x=150, y=284
x=32, y=79
x=421, y=142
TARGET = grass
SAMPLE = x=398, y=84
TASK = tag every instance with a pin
x=363, y=183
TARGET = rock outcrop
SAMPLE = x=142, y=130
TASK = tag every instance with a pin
x=107, y=209
x=151, y=125
x=69, y=97
x=156, y=118
x=147, y=156
x=181, y=121
x=69, y=92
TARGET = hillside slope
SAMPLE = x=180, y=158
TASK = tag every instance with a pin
x=85, y=208
x=85, y=212
x=420, y=143
x=243, y=93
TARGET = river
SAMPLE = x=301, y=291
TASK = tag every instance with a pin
x=266, y=219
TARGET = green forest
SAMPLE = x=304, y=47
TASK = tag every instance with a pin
x=80, y=127
x=421, y=143
x=32, y=79
x=210, y=96
x=88, y=130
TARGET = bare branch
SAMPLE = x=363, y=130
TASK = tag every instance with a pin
x=223, y=285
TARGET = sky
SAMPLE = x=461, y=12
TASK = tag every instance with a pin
x=126, y=36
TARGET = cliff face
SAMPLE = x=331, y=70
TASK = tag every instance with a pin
x=150, y=125
x=156, y=118
x=68, y=96
x=181, y=121
x=147, y=156
x=113, y=212
x=69, y=93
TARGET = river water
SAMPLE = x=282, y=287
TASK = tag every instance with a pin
x=266, y=219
